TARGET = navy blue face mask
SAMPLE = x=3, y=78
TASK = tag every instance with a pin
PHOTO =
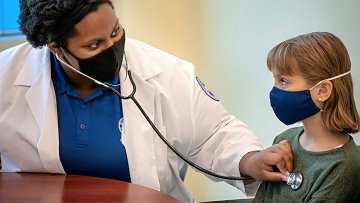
x=291, y=107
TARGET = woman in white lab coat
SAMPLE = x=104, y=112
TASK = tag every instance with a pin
x=184, y=111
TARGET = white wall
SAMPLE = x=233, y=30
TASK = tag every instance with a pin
x=228, y=41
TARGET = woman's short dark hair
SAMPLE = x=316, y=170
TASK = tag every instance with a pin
x=44, y=21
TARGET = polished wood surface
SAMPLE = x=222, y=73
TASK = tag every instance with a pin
x=32, y=187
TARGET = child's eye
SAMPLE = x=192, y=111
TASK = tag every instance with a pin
x=283, y=82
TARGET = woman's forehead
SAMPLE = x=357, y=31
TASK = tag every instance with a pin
x=97, y=24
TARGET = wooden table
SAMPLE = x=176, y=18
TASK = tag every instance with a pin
x=32, y=187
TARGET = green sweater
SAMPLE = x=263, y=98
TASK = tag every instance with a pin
x=329, y=176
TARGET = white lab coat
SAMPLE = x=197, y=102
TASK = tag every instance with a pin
x=198, y=126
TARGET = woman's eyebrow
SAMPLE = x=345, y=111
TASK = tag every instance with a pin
x=116, y=24
x=90, y=41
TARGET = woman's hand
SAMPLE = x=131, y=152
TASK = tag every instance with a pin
x=270, y=164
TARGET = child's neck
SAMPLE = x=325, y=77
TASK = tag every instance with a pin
x=316, y=138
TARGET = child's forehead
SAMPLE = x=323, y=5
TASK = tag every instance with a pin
x=288, y=67
x=276, y=72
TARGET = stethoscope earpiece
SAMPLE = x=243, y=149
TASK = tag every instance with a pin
x=294, y=180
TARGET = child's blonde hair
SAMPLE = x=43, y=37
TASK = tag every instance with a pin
x=321, y=55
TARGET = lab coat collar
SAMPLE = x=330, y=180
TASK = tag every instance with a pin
x=139, y=60
x=35, y=61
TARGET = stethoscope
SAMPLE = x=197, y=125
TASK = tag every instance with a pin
x=294, y=179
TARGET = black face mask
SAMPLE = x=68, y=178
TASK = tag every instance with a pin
x=105, y=65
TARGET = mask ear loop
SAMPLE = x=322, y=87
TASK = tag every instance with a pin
x=332, y=78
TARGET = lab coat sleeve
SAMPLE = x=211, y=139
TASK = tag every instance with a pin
x=220, y=140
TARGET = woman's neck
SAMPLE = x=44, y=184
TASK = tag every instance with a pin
x=82, y=85
x=317, y=138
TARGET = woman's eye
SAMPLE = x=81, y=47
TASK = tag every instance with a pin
x=94, y=45
x=115, y=32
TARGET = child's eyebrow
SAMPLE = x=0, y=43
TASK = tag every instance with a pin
x=277, y=74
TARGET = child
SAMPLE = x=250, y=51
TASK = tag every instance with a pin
x=313, y=85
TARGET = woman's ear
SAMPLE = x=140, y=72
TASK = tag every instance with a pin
x=324, y=90
x=54, y=48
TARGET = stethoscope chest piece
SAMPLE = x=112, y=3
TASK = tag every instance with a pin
x=294, y=180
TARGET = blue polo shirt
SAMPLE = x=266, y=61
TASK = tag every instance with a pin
x=89, y=136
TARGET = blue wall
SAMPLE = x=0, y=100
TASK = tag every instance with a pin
x=9, y=12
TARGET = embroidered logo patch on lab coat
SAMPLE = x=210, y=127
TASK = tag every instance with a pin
x=207, y=92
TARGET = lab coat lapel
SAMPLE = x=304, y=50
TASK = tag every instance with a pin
x=138, y=136
x=41, y=100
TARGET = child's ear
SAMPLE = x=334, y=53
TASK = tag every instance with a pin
x=324, y=91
